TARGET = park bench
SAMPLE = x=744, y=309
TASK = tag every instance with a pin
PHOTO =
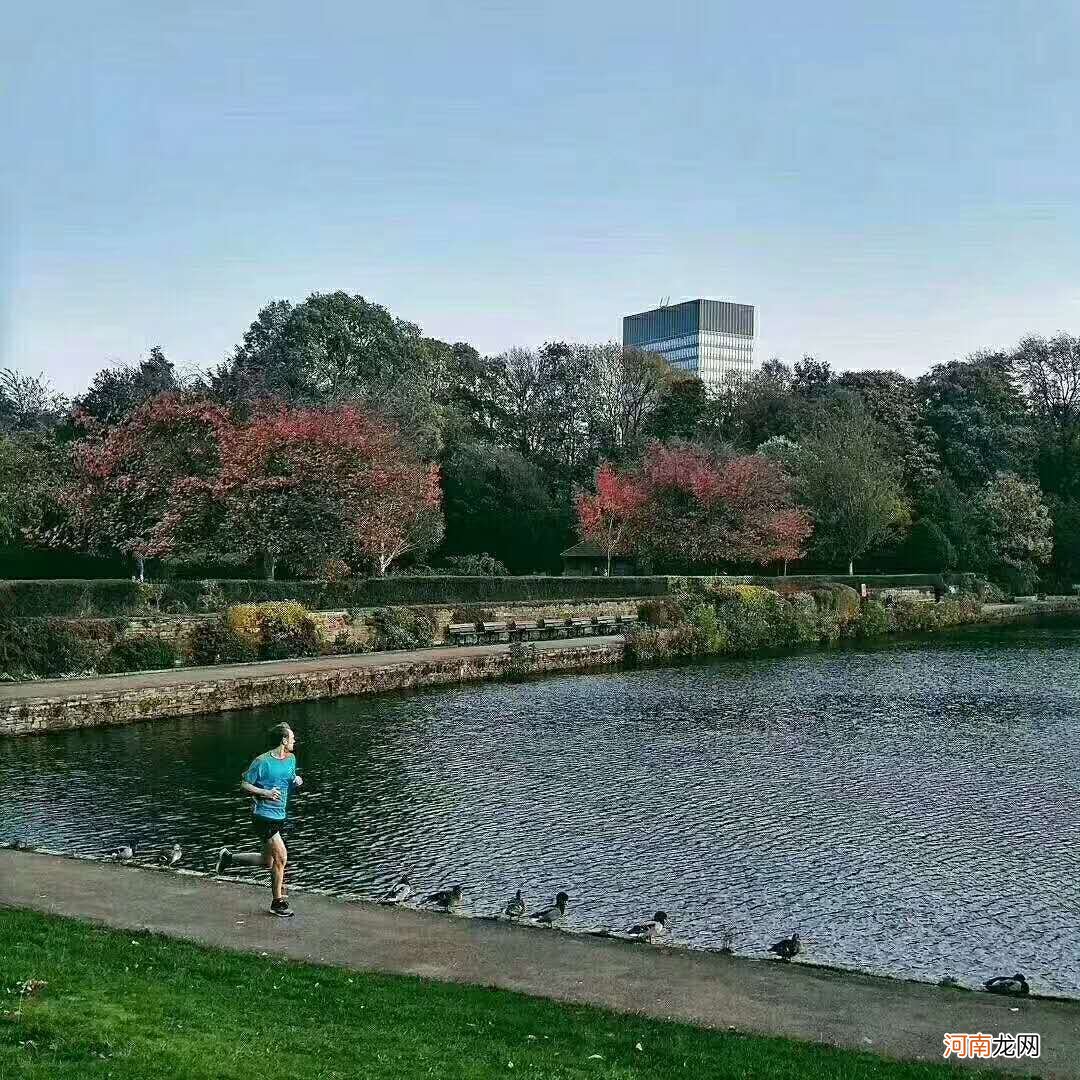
x=554, y=628
x=525, y=630
x=626, y=622
x=581, y=627
x=494, y=633
x=605, y=624
x=462, y=633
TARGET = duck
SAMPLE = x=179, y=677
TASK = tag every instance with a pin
x=516, y=907
x=399, y=893
x=554, y=914
x=170, y=856
x=123, y=853
x=447, y=899
x=1014, y=985
x=788, y=948
x=652, y=930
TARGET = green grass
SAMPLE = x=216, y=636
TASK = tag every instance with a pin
x=138, y=1006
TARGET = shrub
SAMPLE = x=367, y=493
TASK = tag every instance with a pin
x=482, y=565
x=403, y=628
x=873, y=621
x=663, y=613
x=274, y=631
x=138, y=654
x=43, y=648
x=216, y=643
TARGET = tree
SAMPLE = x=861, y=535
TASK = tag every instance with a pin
x=497, y=501
x=145, y=487
x=977, y=411
x=31, y=473
x=29, y=404
x=893, y=401
x=850, y=481
x=117, y=392
x=1016, y=530
x=609, y=517
x=308, y=485
x=1049, y=372
x=701, y=509
x=928, y=549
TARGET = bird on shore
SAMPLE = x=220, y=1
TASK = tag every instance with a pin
x=22, y=844
x=399, y=893
x=653, y=930
x=788, y=948
x=447, y=899
x=727, y=941
x=550, y=916
x=516, y=907
x=1013, y=985
x=122, y=854
x=170, y=856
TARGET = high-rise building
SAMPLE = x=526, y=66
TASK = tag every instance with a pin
x=712, y=339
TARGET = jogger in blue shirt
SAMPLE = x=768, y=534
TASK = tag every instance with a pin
x=268, y=780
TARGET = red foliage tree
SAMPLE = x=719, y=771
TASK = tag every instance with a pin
x=308, y=485
x=702, y=509
x=143, y=486
x=609, y=517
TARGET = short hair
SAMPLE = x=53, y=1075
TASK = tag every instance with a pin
x=279, y=731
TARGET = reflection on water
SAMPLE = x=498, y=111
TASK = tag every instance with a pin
x=911, y=808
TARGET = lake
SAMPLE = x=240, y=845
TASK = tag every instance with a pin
x=910, y=807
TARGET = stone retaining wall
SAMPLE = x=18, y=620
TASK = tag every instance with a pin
x=38, y=716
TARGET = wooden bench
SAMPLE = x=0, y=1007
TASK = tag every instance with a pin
x=495, y=633
x=581, y=627
x=525, y=630
x=554, y=628
x=462, y=633
x=605, y=624
x=625, y=622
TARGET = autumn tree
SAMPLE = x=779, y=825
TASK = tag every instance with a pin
x=610, y=517
x=145, y=487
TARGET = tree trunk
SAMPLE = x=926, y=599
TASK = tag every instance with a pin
x=140, y=562
x=270, y=562
x=851, y=568
x=608, y=572
x=785, y=567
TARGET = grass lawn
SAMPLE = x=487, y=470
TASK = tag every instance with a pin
x=136, y=1006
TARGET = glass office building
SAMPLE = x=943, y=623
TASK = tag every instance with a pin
x=712, y=339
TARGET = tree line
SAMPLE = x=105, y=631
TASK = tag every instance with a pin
x=337, y=438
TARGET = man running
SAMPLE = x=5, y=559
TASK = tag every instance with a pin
x=268, y=780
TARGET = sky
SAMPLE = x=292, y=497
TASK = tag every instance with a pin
x=891, y=185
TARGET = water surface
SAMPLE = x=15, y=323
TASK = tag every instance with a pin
x=912, y=808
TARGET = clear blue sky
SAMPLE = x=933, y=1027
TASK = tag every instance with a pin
x=890, y=184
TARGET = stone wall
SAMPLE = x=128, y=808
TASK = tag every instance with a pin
x=35, y=716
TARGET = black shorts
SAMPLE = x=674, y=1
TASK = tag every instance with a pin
x=265, y=828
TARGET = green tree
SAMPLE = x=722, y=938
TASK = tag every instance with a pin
x=928, y=549
x=1016, y=532
x=497, y=501
x=850, y=481
x=978, y=413
x=117, y=392
x=29, y=404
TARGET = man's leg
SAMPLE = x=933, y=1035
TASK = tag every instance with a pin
x=279, y=857
x=227, y=858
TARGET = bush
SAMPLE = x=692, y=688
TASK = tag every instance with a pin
x=273, y=631
x=43, y=648
x=663, y=613
x=138, y=654
x=216, y=643
x=403, y=628
x=874, y=620
x=482, y=565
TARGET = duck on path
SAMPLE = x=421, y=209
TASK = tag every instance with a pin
x=516, y=907
x=399, y=893
x=550, y=916
x=653, y=930
x=170, y=856
x=1014, y=985
x=123, y=853
x=447, y=899
x=788, y=948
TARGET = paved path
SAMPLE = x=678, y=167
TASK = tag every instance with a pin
x=139, y=680
x=899, y=1019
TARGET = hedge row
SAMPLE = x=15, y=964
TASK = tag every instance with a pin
x=108, y=597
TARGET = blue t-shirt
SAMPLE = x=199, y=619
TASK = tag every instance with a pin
x=267, y=771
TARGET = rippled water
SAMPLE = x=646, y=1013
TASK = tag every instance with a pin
x=911, y=808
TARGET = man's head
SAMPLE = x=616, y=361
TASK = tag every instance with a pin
x=283, y=736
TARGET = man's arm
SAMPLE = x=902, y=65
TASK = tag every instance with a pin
x=261, y=793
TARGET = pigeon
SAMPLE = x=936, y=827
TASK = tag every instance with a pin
x=122, y=854
x=516, y=907
x=170, y=856
x=652, y=930
x=788, y=948
x=399, y=893
x=554, y=914
x=1014, y=985
x=727, y=941
x=447, y=899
